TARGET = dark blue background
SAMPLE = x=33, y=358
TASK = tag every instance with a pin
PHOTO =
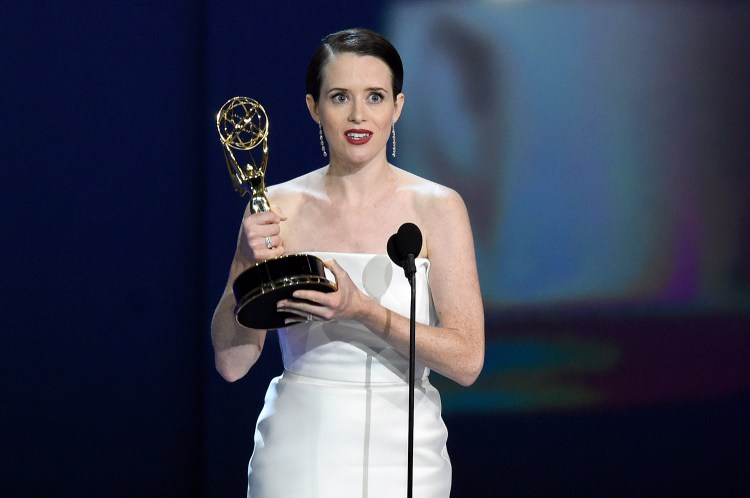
x=118, y=225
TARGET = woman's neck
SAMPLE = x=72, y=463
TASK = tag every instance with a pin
x=354, y=182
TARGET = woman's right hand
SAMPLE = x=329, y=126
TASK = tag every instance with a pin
x=260, y=237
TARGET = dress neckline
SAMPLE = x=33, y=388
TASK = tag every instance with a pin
x=363, y=254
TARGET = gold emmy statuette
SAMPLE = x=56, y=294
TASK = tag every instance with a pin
x=243, y=126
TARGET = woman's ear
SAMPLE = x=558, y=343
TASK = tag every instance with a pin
x=312, y=106
x=398, y=106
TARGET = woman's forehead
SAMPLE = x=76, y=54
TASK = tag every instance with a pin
x=347, y=69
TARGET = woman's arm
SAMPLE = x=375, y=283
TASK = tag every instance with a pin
x=456, y=347
x=237, y=348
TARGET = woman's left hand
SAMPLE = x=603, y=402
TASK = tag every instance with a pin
x=344, y=303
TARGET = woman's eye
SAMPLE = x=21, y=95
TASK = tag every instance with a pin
x=340, y=97
x=376, y=97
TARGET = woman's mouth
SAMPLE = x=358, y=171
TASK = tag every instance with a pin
x=358, y=137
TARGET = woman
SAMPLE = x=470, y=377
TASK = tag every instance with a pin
x=336, y=423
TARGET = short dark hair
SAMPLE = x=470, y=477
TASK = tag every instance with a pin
x=360, y=41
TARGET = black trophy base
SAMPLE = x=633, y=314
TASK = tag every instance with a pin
x=259, y=288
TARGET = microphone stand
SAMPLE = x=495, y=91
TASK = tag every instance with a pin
x=411, y=270
x=403, y=248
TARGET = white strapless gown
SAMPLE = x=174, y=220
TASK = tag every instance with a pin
x=335, y=423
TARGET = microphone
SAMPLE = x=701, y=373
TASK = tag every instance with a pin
x=404, y=246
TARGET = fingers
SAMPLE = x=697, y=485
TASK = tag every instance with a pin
x=264, y=217
x=262, y=224
x=335, y=268
x=331, y=264
x=324, y=305
x=261, y=235
x=304, y=310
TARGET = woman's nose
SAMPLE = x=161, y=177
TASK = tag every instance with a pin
x=355, y=112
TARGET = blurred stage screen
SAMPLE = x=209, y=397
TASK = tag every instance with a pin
x=601, y=149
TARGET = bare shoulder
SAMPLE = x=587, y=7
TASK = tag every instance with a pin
x=289, y=194
x=300, y=184
x=432, y=200
x=442, y=213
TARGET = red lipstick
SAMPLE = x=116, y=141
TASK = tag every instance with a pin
x=358, y=137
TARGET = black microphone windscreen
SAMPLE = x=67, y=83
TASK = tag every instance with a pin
x=409, y=240
x=393, y=250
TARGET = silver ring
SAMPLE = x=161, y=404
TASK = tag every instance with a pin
x=309, y=318
x=269, y=244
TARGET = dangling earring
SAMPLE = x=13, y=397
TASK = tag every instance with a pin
x=322, y=143
x=393, y=137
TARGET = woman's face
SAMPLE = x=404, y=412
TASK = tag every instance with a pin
x=356, y=107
